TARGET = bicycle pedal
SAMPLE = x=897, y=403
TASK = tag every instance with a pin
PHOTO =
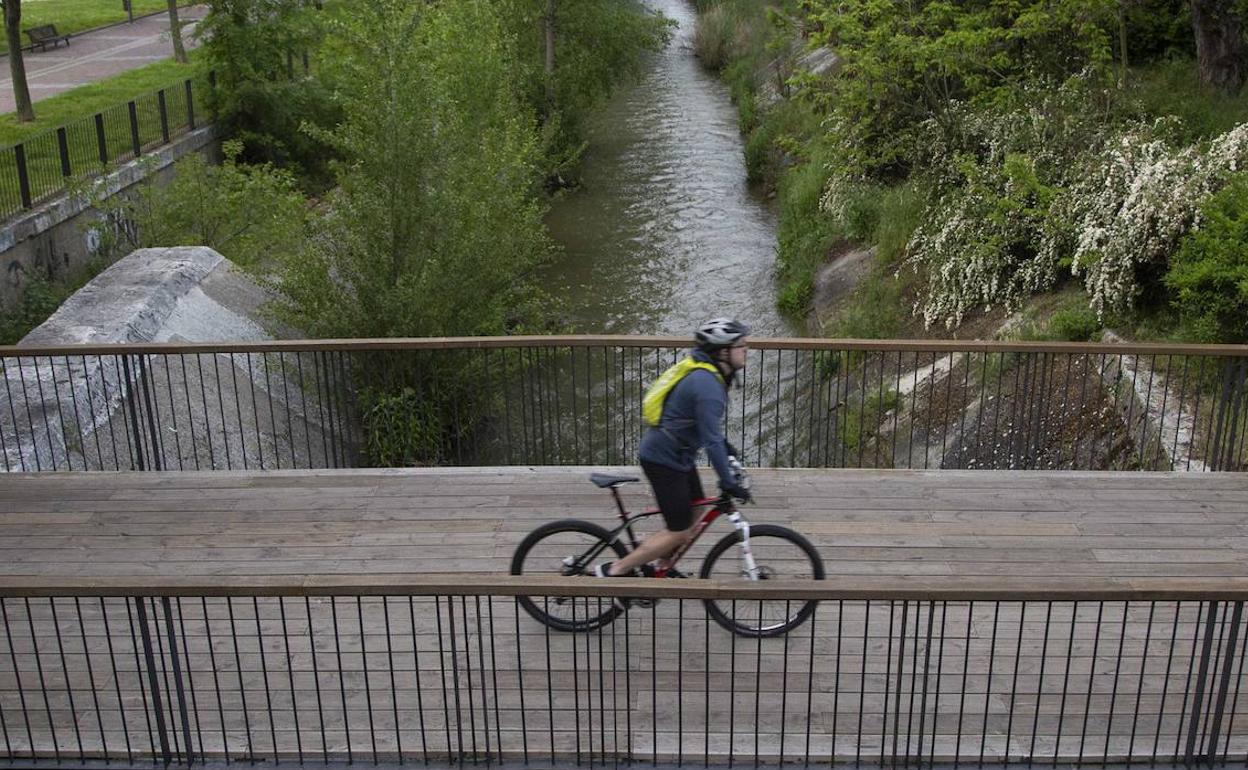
x=645, y=604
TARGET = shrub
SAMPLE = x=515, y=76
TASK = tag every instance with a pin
x=805, y=234
x=713, y=36
x=250, y=214
x=1209, y=272
x=1134, y=203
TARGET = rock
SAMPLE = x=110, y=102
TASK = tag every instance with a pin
x=837, y=279
x=816, y=61
x=158, y=410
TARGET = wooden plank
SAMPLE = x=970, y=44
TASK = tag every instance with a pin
x=985, y=532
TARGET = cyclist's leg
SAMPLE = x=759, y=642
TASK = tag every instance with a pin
x=673, y=490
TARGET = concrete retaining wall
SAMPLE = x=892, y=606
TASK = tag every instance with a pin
x=56, y=239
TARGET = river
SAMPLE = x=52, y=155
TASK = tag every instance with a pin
x=664, y=231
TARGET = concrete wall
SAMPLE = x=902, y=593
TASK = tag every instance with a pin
x=58, y=238
x=200, y=410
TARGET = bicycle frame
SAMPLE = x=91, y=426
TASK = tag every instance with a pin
x=718, y=506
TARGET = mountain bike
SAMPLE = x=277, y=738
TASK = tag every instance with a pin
x=572, y=547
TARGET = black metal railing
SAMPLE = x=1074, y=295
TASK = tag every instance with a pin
x=456, y=673
x=576, y=400
x=41, y=168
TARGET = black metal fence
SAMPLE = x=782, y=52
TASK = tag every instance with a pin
x=464, y=675
x=576, y=400
x=41, y=167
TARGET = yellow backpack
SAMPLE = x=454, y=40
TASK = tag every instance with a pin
x=656, y=394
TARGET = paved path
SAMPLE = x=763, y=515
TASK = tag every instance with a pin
x=100, y=54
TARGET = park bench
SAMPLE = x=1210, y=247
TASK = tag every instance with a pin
x=44, y=34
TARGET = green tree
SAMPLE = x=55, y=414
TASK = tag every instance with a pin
x=435, y=228
x=253, y=215
x=1209, y=273
x=906, y=62
x=262, y=96
x=573, y=54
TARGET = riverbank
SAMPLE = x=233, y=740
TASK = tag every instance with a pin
x=982, y=206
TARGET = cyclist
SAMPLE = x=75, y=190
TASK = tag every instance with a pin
x=692, y=414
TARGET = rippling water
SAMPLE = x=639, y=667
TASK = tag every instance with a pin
x=665, y=232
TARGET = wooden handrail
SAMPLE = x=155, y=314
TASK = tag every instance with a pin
x=622, y=341
x=876, y=588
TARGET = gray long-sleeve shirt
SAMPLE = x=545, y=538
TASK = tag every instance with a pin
x=693, y=417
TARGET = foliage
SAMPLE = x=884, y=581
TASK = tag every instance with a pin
x=728, y=31
x=40, y=299
x=599, y=44
x=252, y=215
x=400, y=425
x=904, y=63
x=1046, y=188
x=805, y=234
x=1168, y=87
x=434, y=229
x=1131, y=206
x=256, y=48
x=1209, y=272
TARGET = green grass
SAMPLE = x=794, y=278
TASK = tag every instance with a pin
x=85, y=101
x=71, y=16
x=75, y=109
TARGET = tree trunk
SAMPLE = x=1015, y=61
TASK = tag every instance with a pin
x=550, y=54
x=1122, y=43
x=17, y=67
x=175, y=29
x=1219, y=44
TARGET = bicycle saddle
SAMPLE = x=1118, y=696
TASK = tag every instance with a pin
x=604, y=480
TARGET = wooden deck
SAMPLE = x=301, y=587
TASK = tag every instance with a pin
x=879, y=528
x=272, y=677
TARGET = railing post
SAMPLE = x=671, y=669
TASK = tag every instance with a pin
x=136, y=453
x=190, y=105
x=1230, y=398
x=1206, y=653
x=23, y=175
x=177, y=678
x=152, y=681
x=134, y=128
x=164, y=116
x=153, y=434
x=62, y=146
x=100, y=138
x=1228, y=658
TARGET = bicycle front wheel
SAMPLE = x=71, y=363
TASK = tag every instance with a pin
x=780, y=553
x=549, y=550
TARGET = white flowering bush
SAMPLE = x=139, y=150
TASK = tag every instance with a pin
x=1031, y=192
x=1132, y=206
x=1000, y=172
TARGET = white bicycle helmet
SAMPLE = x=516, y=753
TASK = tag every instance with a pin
x=719, y=333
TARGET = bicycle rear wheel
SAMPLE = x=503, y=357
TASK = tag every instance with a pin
x=548, y=550
x=779, y=552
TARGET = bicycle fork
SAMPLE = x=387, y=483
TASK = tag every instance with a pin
x=752, y=572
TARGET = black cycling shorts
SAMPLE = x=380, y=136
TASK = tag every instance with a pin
x=675, y=491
